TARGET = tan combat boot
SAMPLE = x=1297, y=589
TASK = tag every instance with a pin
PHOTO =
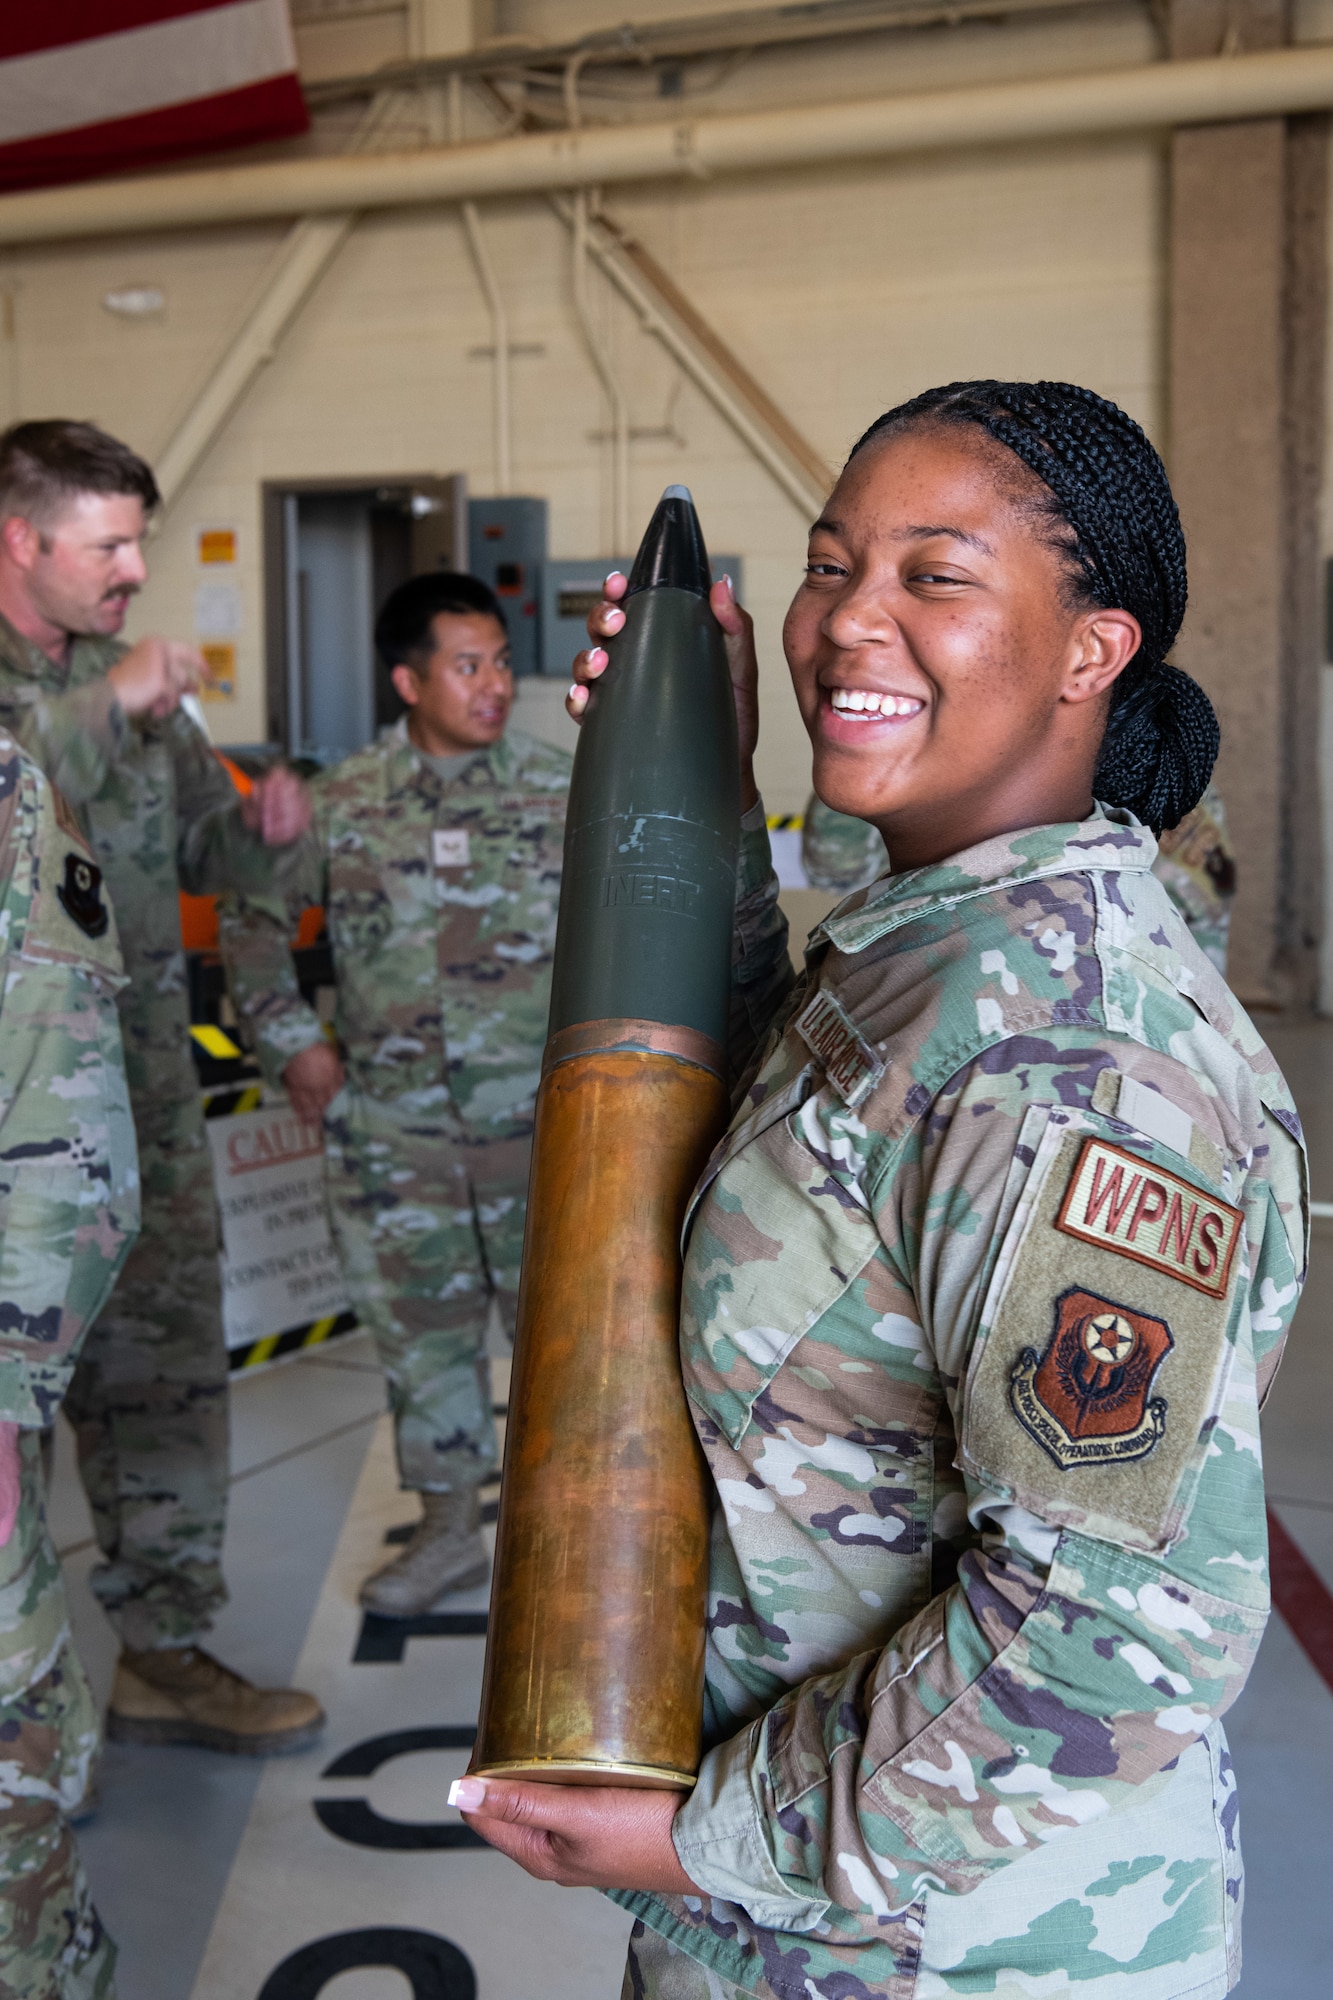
x=446, y=1553
x=181, y=1694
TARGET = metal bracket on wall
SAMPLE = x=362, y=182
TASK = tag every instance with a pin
x=669, y=316
x=301, y=260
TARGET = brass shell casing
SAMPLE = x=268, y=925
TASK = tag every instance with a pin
x=594, y=1659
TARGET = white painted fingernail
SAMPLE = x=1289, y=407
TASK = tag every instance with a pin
x=467, y=1793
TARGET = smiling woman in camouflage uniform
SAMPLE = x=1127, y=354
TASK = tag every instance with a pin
x=983, y=1289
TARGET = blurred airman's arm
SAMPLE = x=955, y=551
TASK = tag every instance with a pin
x=761, y=973
x=224, y=841
x=78, y=736
x=838, y=852
x=255, y=936
x=69, y=1187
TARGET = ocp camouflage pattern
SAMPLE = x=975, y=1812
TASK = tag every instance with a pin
x=957, y=1743
x=1195, y=864
x=440, y=899
x=52, y=1941
x=159, y=814
x=69, y=1208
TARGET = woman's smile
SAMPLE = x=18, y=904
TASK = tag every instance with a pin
x=860, y=706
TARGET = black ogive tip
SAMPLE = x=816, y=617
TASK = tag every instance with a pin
x=672, y=555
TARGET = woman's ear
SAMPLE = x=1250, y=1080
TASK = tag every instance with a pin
x=1105, y=643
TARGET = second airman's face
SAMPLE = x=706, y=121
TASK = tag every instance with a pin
x=460, y=696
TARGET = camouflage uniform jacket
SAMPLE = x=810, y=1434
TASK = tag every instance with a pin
x=160, y=815
x=1194, y=864
x=441, y=905
x=69, y=1181
x=1197, y=868
x=982, y=1291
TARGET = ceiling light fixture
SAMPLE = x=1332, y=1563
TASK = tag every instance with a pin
x=135, y=301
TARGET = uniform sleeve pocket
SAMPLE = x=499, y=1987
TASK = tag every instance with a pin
x=58, y=1241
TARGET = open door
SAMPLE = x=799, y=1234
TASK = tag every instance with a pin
x=333, y=551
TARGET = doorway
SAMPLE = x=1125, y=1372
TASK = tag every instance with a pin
x=333, y=551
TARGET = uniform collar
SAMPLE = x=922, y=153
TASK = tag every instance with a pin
x=88, y=657
x=498, y=757
x=26, y=657
x=1109, y=839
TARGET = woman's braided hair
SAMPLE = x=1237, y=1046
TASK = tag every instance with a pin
x=1114, y=520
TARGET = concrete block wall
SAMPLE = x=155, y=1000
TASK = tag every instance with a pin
x=843, y=291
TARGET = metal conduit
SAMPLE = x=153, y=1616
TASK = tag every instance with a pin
x=805, y=494
x=1145, y=98
x=504, y=458
x=615, y=396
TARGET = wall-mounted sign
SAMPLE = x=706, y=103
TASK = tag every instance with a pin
x=216, y=545
x=220, y=660
x=217, y=610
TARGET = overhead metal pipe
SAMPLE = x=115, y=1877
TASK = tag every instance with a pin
x=1145, y=98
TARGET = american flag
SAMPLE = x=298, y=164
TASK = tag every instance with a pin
x=105, y=86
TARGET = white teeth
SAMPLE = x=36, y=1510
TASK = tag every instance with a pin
x=863, y=701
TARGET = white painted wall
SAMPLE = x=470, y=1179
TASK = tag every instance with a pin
x=843, y=291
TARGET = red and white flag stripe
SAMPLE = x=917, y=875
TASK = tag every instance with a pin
x=105, y=86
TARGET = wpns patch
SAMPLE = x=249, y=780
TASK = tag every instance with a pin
x=81, y=895
x=1152, y=1216
x=1088, y=1399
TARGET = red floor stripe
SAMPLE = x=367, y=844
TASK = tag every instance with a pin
x=1303, y=1598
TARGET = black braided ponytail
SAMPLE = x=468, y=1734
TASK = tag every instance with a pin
x=1115, y=522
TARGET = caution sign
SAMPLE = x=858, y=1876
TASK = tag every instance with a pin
x=279, y=1266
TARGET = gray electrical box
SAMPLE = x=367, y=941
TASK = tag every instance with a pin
x=571, y=588
x=507, y=549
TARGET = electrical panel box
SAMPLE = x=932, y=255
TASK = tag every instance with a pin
x=507, y=549
x=571, y=588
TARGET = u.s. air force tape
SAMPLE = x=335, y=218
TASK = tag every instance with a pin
x=852, y=1066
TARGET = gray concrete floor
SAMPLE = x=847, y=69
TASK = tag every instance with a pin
x=161, y=1846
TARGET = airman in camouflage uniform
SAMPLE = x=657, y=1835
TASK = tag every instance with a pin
x=1194, y=864
x=148, y=1400
x=440, y=893
x=1197, y=868
x=990, y=1276
x=69, y=1191
x=982, y=1290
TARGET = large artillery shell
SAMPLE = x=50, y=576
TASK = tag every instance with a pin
x=594, y=1663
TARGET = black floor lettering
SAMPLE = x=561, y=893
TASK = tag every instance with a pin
x=435, y=1969
x=355, y=1820
x=382, y=1640
x=364, y=1759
